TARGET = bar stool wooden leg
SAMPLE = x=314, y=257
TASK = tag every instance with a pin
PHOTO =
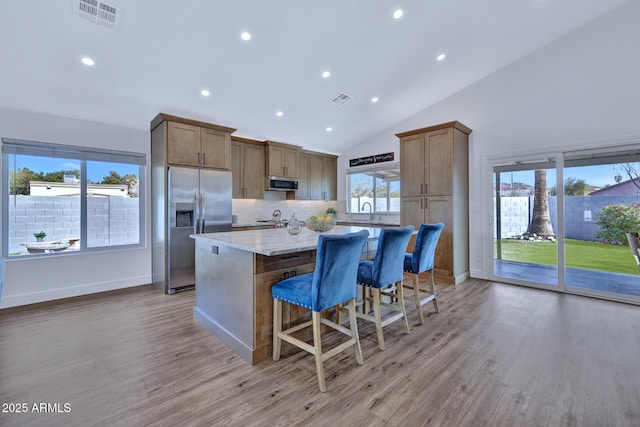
x=377, y=313
x=353, y=325
x=317, y=348
x=416, y=297
x=277, y=328
x=403, y=309
x=432, y=285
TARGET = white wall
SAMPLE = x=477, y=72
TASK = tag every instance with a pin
x=582, y=90
x=59, y=276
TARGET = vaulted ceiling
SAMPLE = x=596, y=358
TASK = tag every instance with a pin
x=159, y=56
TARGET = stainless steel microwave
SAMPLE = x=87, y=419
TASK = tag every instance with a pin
x=279, y=183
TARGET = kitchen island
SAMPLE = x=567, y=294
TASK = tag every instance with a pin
x=234, y=275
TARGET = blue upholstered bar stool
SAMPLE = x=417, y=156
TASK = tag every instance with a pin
x=332, y=283
x=422, y=259
x=384, y=276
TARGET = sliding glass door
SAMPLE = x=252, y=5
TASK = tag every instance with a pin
x=525, y=219
x=568, y=222
x=602, y=205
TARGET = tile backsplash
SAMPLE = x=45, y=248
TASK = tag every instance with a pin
x=250, y=211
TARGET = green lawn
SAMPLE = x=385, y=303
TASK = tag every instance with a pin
x=579, y=254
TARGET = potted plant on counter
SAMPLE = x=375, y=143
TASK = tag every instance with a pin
x=330, y=212
x=40, y=235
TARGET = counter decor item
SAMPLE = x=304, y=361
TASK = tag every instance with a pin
x=294, y=226
x=40, y=236
x=330, y=212
x=321, y=223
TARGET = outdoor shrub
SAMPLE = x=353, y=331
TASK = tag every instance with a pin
x=616, y=220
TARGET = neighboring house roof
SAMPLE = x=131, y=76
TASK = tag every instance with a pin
x=624, y=188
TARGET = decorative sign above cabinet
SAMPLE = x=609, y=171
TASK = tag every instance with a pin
x=377, y=158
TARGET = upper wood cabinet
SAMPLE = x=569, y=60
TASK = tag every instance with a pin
x=329, y=177
x=427, y=163
x=434, y=174
x=194, y=143
x=247, y=168
x=304, y=160
x=282, y=159
x=317, y=176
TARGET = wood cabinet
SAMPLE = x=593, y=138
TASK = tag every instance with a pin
x=282, y=159
x=268, y=272
x=247, y=168
x=434, y=173
x=317, y=176
x=194, y=143
x=304, y=161
x=329, y=177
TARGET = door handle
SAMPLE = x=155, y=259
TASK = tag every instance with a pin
x=203, y=212
x=199, y=157
x=196, y=208
x=204, y=159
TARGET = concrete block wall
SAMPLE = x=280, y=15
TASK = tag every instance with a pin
x=110, y=221
x=517, y=211
x=515, y=215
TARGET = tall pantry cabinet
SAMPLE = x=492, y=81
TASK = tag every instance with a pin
x=434, y=174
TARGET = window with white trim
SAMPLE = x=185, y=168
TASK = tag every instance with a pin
x=63, y=199
x=374, y=189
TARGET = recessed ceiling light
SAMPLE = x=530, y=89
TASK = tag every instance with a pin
x=205, y=92
x=88, y=61
x=441, y=57
x=246, y=36
x=279, y=114
x=398, y=14
x=329, y=129
x=326, y=74
x=374, y=99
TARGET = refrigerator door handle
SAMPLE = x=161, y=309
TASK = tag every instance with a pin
x=196, y=218
x=203, y=212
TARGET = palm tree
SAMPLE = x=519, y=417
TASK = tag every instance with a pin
x=541, y=219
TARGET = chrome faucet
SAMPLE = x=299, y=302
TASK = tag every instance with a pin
x=370, y=209
x=276, y=216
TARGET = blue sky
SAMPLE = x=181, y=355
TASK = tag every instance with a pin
x=96, y=171
x=597, y=176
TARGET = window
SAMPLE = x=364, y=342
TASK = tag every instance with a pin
x=64, y=199
x=374, y=189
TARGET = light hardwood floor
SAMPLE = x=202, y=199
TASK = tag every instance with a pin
x=496, y=355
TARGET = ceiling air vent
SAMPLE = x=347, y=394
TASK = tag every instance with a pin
x=341, y=99
x=98, y=12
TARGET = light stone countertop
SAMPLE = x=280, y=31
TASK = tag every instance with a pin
x=277, y=241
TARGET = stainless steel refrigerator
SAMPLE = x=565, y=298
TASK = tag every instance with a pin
x=197, y=201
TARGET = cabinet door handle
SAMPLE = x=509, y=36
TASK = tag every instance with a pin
x=421, y=189
x=204, y=159
x=426, y=189
x=421, y=204
x=199, y=157
x=426, y=204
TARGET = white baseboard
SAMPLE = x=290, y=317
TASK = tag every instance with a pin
x=54, y=294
